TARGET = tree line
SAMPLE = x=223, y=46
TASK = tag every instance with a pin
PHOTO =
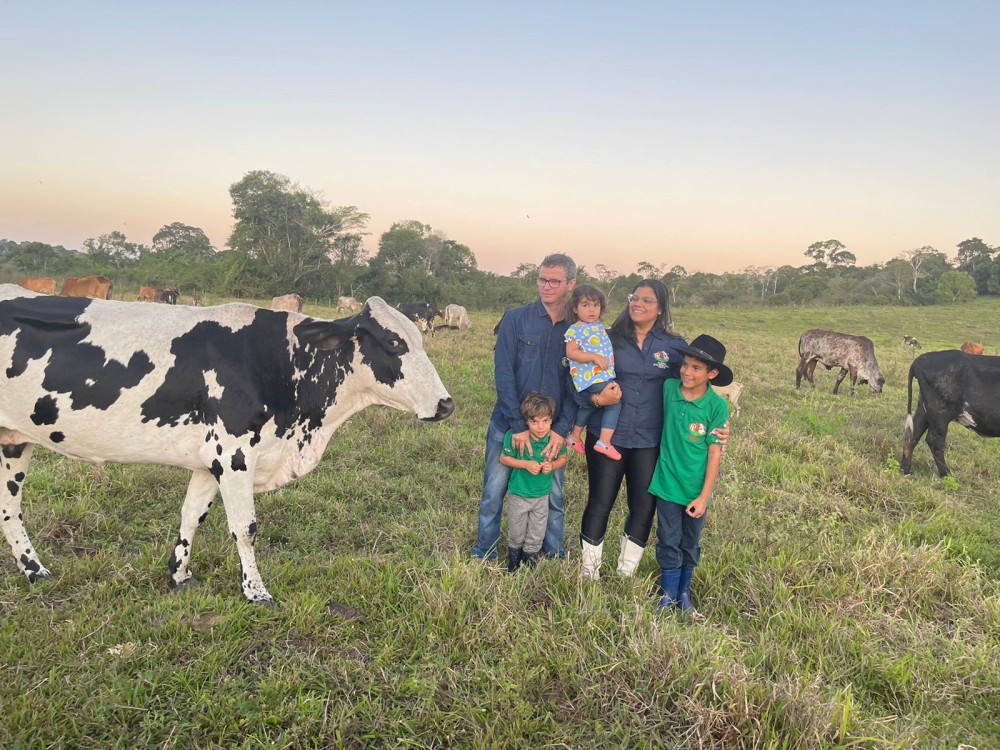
x=286, y=238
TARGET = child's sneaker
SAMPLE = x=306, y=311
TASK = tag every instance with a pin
x=608, y=450
x=577, y=445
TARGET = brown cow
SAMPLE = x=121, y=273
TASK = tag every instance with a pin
x=969, y=347
x=290, y=302
x=95, y=287
x=42, y=284
x=149, y=294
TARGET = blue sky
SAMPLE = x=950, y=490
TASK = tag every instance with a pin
x=715, y=137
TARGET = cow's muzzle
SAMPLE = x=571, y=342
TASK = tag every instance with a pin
x=445, y=407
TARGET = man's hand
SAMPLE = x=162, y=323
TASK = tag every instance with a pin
x=556, y=442
x=521, y=441
x=722, y=434
x=533, y=467
x=546, y=467
x=697, y=507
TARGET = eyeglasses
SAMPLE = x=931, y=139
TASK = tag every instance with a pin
x=550, y=282
x=649, y=301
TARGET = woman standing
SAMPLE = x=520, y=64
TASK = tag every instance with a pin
x=646, y=354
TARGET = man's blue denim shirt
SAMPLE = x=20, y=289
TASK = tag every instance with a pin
x=529, y=357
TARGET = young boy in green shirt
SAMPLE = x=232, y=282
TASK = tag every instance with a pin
x=530, y=481
x=688, y=464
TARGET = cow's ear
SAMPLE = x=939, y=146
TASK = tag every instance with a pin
x=324, y=334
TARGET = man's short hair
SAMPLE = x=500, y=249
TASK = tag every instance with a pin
x=563, y=260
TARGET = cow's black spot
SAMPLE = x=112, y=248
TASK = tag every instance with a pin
x=46, y=411
x=202, y=517
x=218, y=449
x=19, y=476
x=13, y=488
x=14, y=451
x=253, y=531
x=239, y=461
x=49, y=326
x=30, y=564
x=56, y=437
x=216, y=470
x=174, y=564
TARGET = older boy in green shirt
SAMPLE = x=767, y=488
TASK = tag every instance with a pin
x=530, y=481
x=688, y=464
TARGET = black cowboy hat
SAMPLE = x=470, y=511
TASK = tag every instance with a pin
x=713, y=352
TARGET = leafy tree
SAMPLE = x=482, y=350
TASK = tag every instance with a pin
x=975, y=257
x=113, y=248
x=179, y=239
x=917, y=259
x=673, y=280
x=824, y=251
x=955, y=286
x=842, y=258
x=286, y=233
x=648, y=270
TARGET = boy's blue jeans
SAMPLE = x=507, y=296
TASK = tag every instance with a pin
x=495, y=479
x=678, y=536
x=609, y=413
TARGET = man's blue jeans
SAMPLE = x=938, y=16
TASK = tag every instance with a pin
x=495, y=479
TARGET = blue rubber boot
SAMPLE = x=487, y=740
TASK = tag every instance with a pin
x=684, y=589
x=670, y=581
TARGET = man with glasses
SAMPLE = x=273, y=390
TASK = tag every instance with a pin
x=528, y=357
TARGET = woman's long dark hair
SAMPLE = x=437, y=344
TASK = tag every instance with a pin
x=623, y=330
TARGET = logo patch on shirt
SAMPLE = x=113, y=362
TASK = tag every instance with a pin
x=661, y=360
x=696, y=431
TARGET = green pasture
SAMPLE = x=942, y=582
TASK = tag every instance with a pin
x=843, y=606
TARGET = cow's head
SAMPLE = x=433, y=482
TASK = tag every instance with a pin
x=385, y=352
x=870, y=374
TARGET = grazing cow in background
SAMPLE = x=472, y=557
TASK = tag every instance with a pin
x=40, y=284
x=290, y=302
x=910, y=341
x=954, y=387
x=154, y=294
x=852, y=354
x=347, y=304
x=731, y=393
x=421, y=313
x=95, y=287
x=972, y=347
x=245, y=398
x=458, y=316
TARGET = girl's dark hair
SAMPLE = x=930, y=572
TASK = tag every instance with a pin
x=623, y=330
x=586, y=291
x=537, y=405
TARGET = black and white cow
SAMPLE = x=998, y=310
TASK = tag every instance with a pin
x=852, y=354
x=422, y=314
x=245, y=398
x=954, y=387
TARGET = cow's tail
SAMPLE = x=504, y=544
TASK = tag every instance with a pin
x=908, y=427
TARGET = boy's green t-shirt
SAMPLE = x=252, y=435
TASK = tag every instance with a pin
x=687, y=433
x=522, y=482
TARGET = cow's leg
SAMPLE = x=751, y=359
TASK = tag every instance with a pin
x=799, y=372
x=914, y=429
x=235, y=477
x=937, y=433
x=200, y=493
x=840, y=379
x=14, y=468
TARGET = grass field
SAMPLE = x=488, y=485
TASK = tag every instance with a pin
x=843, y=605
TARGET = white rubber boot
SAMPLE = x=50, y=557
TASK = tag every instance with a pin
x=629, y=558
x=590, y=565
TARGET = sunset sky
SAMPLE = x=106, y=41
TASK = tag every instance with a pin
x=714, y=135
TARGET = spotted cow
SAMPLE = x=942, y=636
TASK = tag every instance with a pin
x=421, y=313
x=245, y=398
x=954, y=387
x=852, y=354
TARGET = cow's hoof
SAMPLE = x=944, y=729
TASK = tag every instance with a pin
x=264, y=601
x=188, y=583
x=34, y=575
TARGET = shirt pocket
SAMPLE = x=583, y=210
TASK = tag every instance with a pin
x=529, y=347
